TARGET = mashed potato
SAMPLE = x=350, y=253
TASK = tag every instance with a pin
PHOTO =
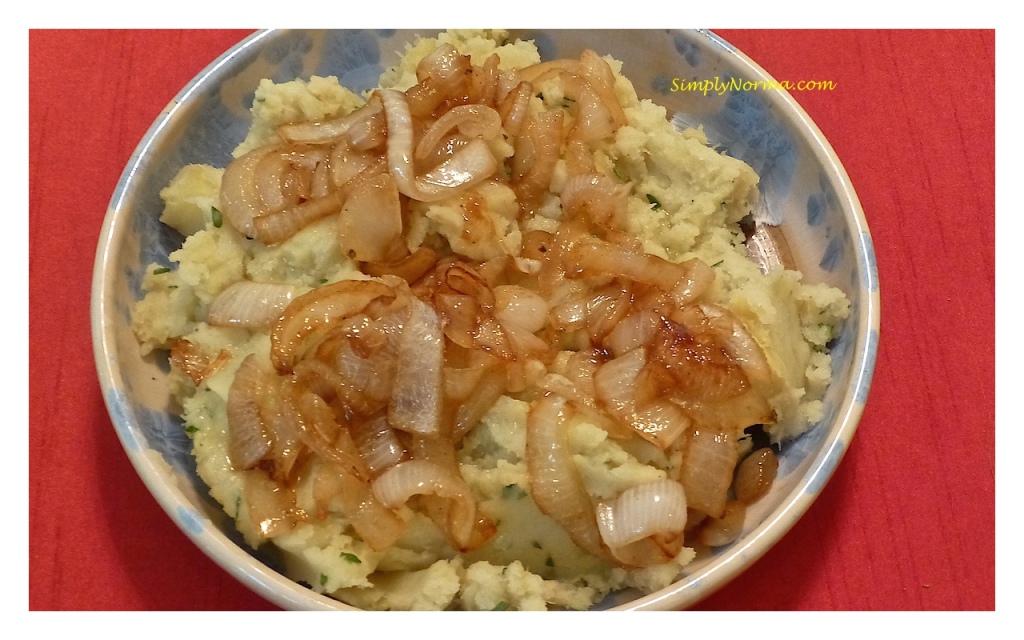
x=683, y=202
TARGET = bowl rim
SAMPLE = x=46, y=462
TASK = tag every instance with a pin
x=288, y=594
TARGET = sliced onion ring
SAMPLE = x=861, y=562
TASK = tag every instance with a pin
x=470, y=165
x=312, y=313
x=252, y=305
x=417, y=477
x=642, y=511
x=555, y=484
x=416, y=397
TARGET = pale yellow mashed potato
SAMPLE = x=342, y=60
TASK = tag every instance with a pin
x=530, y=563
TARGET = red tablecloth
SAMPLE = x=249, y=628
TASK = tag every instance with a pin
x=906, y=523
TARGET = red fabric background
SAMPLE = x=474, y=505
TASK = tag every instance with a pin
x=907, y=522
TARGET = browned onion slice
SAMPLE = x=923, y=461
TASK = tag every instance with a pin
x=378, y=444
x=239, y=197
x=755, y=475
x=252, y=305
x=536, y=156
x=311, y=315
x=275, y=181
x=312, y=418
x=271, y=506
x=599, y=75
x=484, y=81
x=538, y=71
x=718, y=532
x=346, y=163
x=472, y=120
x=368, y=380
x=649, y=552
x=519, y=306
x=415, y=404
x=249, y=441
x=660, y=422
x=445, y=66
x=706, y=473
x=410, y=268
x=327, y=131
x=277, y=226
x=615, y=384
x=377, y=525
x=281, y=460
x=654, y=508
x=417, y=477
x=555, y=484
x=596, y=197
x=584, y=402
x=190, y=360
x=470, y=165
x=738, y=343
x=593, y=120
x=515, y=107
x=604, y=258
x=480, y=400
x=633, y=331
x=369, y=133
x=370, y=224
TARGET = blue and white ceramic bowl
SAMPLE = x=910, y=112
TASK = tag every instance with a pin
x=803, y=184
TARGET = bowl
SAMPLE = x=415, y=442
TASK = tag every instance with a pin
x=804, y=188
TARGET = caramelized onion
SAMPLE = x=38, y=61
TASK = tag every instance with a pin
x=615, y=384
x=312, y=418
x=601, y=78
x=755, y=475
x=633, y=331
x=277, y=226
x=249, y=441
x=252, y=305
x=410, y=268
x=515, y=107
x=536, y=156
x=519, y=306
x=707, y=470
x=271, y=506
x=471, y=120
x=415, y=404
x=416, y=477
x=378, y=526
x=555, y=484
x=370, y=224
x=596, y=197
x=480, y=400
x=642, y=511
x=239, y=197
x=311, y=314
x=718, y=532
x=470, y=165
x=276, y=181
x=190, y=360
x=378, y=444
x=660, y=422
x=593, y=120
x=327, y=131
x=738, y=343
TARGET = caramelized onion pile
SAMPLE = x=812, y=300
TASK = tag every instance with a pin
x=370, y=385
